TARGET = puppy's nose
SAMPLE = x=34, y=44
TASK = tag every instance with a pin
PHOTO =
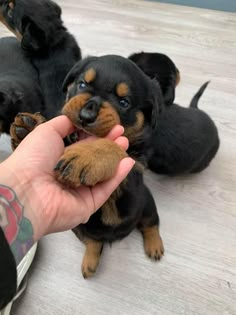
x=89, y=112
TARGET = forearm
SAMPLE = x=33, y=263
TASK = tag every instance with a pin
x=16, y=219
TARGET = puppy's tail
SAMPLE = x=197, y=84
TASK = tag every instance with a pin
x=195, y=99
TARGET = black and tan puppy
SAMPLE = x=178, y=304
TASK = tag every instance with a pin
x=46, y=42
x=19, y=88
x=102, y=92
x=185, y=139
x=162, y=68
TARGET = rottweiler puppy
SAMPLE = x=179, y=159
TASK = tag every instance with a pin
x=162, y=68
x=102, y=92
x=185, y=139
x=51, y=49
x=19, y=87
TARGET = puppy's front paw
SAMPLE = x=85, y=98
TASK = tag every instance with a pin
x=89, y=163
x=23, y=124
x=91, y=258
x=153, y=244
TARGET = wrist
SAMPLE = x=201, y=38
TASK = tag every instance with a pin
x=17, y=220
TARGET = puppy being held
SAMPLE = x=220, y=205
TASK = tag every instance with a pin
x=48, y=45
x=102, y=92
x=19, y=87
x=185, y=140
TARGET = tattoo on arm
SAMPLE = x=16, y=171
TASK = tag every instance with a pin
x=18, y=229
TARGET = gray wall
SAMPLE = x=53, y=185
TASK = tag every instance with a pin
x=224, y=5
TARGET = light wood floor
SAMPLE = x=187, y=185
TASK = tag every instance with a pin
x=197, y=275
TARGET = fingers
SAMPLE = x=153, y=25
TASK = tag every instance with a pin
x=123, y=142
x=61, y=124
x=102, y=191
x=64, y=127
x=116, y=132
x=115, y=135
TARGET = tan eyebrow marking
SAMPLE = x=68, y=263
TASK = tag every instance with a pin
x=11, y=5
x=122, y=89
x=90, y=75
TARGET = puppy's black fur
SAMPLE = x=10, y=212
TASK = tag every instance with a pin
x=46, y=42
x=19, y=88
x=144, y=95
x=102, y=92
x=162, y=68
x=185, y=140
x=135, y=204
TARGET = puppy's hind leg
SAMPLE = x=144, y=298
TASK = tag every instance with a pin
x=23, y=124
x=149, y=227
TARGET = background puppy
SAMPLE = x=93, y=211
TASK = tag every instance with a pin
x=51, y=49
x=185, y=139
x=162, y=68
x=19, y=88
x=102, y=92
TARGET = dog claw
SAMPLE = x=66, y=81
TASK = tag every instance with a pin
x=59, y=165
x=83, y=177
x=66, y=170
x=28, y=121
x=88, y=273
x=21, y=132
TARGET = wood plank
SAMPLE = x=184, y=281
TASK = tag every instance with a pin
x=198, y=218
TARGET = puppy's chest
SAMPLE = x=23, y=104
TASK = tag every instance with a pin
x=117, y=218
x=140, y=147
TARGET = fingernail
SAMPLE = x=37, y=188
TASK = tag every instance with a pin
x=122, y=129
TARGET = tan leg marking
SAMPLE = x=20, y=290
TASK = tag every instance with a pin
x=91, y=258
x=153, y=244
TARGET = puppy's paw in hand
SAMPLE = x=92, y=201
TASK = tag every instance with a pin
x=89, y=163
x=23, y=124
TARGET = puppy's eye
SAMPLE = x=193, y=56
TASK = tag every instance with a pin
x=82, y=85
x=124, y=103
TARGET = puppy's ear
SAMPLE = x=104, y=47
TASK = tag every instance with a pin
x=78, y=68
x=33, y=37
x=155, y=101
x=168, y=90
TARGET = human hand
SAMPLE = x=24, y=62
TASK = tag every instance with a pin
x=48, y=205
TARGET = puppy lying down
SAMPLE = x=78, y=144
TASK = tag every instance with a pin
x=185, y=140
x=19, y=88
x=102, y=92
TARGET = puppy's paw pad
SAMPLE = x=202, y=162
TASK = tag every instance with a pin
x=29, y=121
x=23, y=124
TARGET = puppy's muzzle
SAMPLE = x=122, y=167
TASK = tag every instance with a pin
x=89, y=112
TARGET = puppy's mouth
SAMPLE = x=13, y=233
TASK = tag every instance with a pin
x=78, y=135
x=97, y=124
